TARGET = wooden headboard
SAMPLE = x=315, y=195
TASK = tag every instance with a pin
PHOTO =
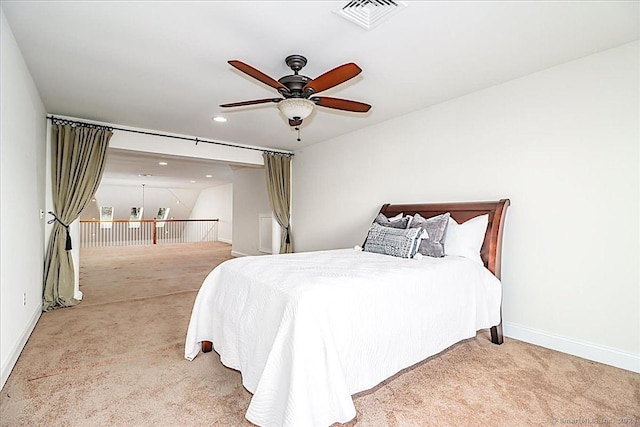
x=491, y=252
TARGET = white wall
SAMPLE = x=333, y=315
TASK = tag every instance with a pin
x=216, y=202
x=22, y=195
x=562, y=144
x=250, y=199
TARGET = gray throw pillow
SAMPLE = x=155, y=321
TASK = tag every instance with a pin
x=397, y=242
x=435, y=227
x=384, y=221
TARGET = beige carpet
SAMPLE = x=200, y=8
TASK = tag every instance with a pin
x=117, y=360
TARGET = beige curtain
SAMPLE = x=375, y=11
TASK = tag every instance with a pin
x=78, y=156
x=278, y=172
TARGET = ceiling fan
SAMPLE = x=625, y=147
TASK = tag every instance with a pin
x=297, y=91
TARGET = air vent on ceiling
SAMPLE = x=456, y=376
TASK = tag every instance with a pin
x=370, y=13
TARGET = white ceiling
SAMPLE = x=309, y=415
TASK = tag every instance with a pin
x=136, y=168
x=163, y=65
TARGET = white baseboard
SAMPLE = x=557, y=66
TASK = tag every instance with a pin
x=224, y=240
x=17, y=348
x=596, y=353
x=238, y=254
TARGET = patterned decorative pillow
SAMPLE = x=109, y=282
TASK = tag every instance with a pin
x=398, y=221
x=397, y=242
x=403, y=222
x=435, y=227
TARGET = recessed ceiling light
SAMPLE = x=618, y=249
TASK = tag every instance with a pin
x=219, y=119
x=208, y=176
x=145, y=174
x=192, y=181
x=163, y=163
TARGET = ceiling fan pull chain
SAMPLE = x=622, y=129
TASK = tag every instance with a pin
x=298, y=129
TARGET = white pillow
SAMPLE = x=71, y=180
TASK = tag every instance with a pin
x=466, y=239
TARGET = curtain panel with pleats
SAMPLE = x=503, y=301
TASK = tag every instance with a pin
x=278, y=174
x=78, y=155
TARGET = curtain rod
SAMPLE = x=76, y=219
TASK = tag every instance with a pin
x=59, y=120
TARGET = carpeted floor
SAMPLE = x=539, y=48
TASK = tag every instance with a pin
x=117, y=360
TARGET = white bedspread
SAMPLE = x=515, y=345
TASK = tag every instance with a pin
x=308, y=330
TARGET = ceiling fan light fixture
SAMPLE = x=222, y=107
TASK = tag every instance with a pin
x=296, y=108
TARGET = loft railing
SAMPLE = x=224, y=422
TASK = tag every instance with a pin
x=95, y=233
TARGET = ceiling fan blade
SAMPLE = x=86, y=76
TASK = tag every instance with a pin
x=258, y=75
x=293, y=123
x=341, y=104
x=332, y=78
x=254, y=102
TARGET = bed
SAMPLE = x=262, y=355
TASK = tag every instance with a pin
x=308, y=330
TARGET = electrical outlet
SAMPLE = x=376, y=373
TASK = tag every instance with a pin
x=24, y=298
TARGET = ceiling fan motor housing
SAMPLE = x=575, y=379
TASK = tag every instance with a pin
x=294, y=83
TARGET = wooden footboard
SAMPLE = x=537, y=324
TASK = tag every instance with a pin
x=207, y=346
